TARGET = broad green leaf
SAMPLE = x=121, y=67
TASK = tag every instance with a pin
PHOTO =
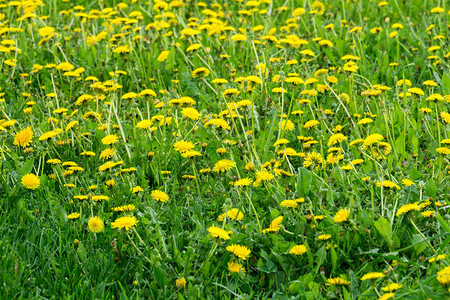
x=27, y=167
x=430, y=188
x=442, y=222
x=384, y=228
x=421, y=245
x=303, y=181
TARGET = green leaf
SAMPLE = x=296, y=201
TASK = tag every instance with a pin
x=303, y=181
x=26, y=168
x=430, y=189
x=418, y=239
x=321, y=256
x=443, y=223
x=295, y=287
x=446, y=84
x=334, y=258
x=384, y=228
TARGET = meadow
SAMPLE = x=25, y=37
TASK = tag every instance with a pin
x=292, y=149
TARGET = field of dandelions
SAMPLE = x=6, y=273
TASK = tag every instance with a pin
x=239, y=149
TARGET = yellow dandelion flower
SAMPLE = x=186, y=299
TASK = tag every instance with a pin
x=31, y=181
x=95, y=224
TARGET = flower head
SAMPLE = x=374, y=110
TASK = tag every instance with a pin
x=224, y=165
x=110, y=139
x=95, y=224
x=31, y=181
x=159, y=196
x=342, y=215
x=124, y=222
x=218, y=232
x=240, y=251
x=337, y=281
x=298, y=250
x=24, y=138
x=372, y=275
x=234, y=267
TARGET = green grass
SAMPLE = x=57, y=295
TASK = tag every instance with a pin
x=47, y=255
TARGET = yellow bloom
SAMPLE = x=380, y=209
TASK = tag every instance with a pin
x=337, y=281
x=126, y=222
x=218, y=232
x=190, y=113
x=274, y=225
x=342, y=215
x=200, y=72
x=234, y=267
x=407, y=208
x=95, y=224
x=110, y=139
x=163, y=55
x=122, y=49
x=180, y=282
x=183, y=146
x=233, y=214
x=159, y=196
x=224, y=165
x=73, y=216
x=298, y=250
x=372, y=275
x=289, y=204
x=240, y=251
x=31, y=181
x=443, y=276
x=24, y=138
x=392, y=287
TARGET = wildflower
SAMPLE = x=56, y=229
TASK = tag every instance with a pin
x=24, y=138
x=342, y=215
x=392, y=287
x=428, y=214
x=144, y=124
x=298, y=250
x=274, y=225
x=190, y=113
x=324, y=237
x=437, y=258
x=372, y=139
x=31, y=181
x=443, y=276
x=233, y=214
x=122, y=49
x=240, y=251
x=388, y=184
x=218, y=232
x=234, y=267
x=313, y=158
x=386, y=296
x=73, y=216
x=159, y=196
x=407, y=208
x=336, y=138
x=337, y=281
x=286, y=125
x=124, y=222
x=200, y=72
x=183, y=146
x=224, y=165
x=95, y=224
x=180, y=283
x=372, y=275
x=310, y=124
x=406, y=182
x=110, y=139
x=289, y=204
